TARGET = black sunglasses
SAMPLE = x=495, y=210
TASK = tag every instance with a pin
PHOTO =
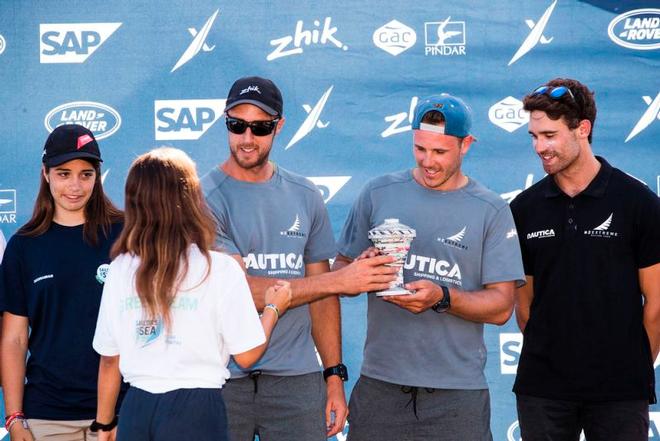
x=259, y=128
x=554, y=92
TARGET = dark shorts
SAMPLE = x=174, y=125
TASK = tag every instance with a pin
x=182, y=414
x=543, y=419
x=390, y=412
x=276, y=408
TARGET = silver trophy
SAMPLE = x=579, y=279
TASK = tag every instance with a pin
x=393, y=239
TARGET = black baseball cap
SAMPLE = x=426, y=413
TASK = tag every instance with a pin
x=68, y=142
x=258, y=91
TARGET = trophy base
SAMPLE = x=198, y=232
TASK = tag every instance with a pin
x=393, y=292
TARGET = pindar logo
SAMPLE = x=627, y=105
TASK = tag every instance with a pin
x=102, y=120
x=394, y=37
x=72, y=42
x=638, y=29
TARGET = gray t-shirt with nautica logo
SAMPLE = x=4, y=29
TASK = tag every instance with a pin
x=278, y=227
x=465, y=239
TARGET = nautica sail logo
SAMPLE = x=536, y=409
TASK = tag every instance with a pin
x=294, y=229
x=455, y=240
x=602, y=230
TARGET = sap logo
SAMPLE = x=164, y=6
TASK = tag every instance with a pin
x=637, y=29
x=511, y=195
x=8, y=206
x=101, y=119
x=444, y=37
x=651, y=114
x=185, y=119
x=329, y=186
x=198, y=43
x=72, y=42
x=312, y=120
x=3, y=44
x=536, y=35
x=508, y=114
x=394, y=37
x=321, y=36
x=510, y=348
x=398, y=119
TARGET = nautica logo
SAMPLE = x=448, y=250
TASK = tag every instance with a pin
x=536, y=35
x=294, y=229
x=312, y=120
x=541, y=234
x=602, y=230
x=454, y=241
x=250, y=89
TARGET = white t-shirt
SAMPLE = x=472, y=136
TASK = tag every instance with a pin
x=210, y=321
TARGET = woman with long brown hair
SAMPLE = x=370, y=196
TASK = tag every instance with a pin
x=51, y=281
x=174, y=310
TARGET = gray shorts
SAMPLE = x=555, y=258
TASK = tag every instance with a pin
x=390, y=412
x=276, y=408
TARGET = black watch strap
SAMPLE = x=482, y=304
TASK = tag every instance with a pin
x=96, y=426
x=340, y=370
x=445, y=303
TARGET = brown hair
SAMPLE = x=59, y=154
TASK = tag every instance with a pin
x=573, y=109
x=165, y=214
x=100, y=212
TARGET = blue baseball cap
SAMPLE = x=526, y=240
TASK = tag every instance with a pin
x=458, y=116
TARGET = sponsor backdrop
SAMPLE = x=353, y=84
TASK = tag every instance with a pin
x=143, y=74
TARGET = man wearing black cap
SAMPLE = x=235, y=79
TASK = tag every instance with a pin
x=590, y=312
x=276, y=225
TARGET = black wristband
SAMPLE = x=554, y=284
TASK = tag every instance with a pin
x=340, y=370
x=96, y=426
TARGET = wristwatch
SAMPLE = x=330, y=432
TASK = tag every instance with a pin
x=445, y=303
x=96, y=426
x=340, y=370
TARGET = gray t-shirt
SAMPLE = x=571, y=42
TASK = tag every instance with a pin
x=278, y=227
x=465, y=239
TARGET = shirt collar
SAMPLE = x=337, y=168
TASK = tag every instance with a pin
x=596, y=187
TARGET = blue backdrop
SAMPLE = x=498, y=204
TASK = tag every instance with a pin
x=147, y=73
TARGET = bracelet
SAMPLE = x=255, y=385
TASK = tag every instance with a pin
x=274, y=308
x=96, y=426
x=13, y=418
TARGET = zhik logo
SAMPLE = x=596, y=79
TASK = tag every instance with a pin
x=510, y=349
x=329, y=186
x=394, y=37
x=198, y=43
x=508, y=114
x=651, y=114
x=72, y=42
x=536, y=35
x=312, y=120
x=185, y=119
x=305, y=37
x=444, y=37
x=399, y=118
x=8, y=206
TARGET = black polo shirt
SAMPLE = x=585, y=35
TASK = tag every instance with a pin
x=585, y=338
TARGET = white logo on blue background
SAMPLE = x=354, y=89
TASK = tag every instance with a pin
x=72, y=42
x=394, y=37
x=293, y=44
x=185, y=119
x=444, y=37
x=536, y=35
x=199, y=42
x=650, y=115
x=102, y=120
x=8, y=206
x=637, y=29
x=329, y=186
x=313, y=119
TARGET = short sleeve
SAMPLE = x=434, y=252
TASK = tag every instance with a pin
x=354, y=236
x=527, y=257
x=501, y=261
x=240, y=325
x=105, y=338
x=13, y=295
x=647, y=240
x=321, y=244
x=223, y=240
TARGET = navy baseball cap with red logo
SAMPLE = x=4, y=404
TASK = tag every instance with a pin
x=69, y=142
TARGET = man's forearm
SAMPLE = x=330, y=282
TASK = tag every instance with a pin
x=304, y=290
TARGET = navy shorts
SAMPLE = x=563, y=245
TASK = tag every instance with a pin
x=182, y=414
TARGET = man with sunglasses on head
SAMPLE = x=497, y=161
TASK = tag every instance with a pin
x=590, y=311
x=276, y=225
x=423, y=372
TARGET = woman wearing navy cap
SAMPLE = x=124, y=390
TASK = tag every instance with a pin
x=173, y=310
x=51, y=281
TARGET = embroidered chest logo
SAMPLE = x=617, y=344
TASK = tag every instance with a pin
x=603, y=230
x=294, y=229
x=455, y=240
x=541, y=234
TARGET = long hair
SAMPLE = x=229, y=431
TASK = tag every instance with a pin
x=100, y=212
x=165, y=214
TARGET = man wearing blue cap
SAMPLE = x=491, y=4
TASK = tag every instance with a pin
x=422, y=376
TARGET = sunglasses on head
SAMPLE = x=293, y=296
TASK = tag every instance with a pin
x=554, y=92
x=259, y=128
